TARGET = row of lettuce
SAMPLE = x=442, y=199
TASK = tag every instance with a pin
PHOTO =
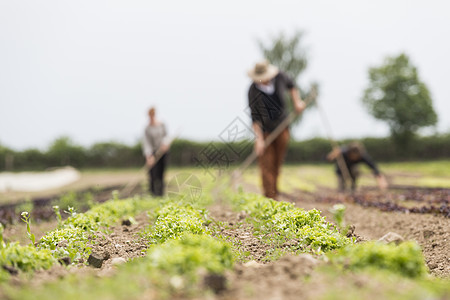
x=184, y=242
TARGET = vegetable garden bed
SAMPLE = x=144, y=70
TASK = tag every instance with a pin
x=204, y=249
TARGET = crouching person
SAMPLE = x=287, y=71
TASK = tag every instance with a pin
x=347, y=158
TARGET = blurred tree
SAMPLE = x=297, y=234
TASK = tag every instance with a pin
x=289, y=55
x=397, y=96
x=113, y=154
x=286, y=53
x=63, y=151
x=31, y=159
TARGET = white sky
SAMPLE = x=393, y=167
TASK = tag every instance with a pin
x=90, y=69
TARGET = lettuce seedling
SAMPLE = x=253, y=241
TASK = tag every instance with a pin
x=26, y=218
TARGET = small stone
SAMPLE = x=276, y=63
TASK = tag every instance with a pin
x=118, y=261
x=350, y=231
x=96, y=260
x=216, y=282
x=126, y=222
x=432, y=266
x=391, y=238
x=309, y=259
x=11, y=270
x=176, y=281
x=63, y=244
x=427, y=233
x=252, y=264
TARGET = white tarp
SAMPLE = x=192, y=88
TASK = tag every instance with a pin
x=37, y=181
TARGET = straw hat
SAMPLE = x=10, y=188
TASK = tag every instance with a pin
x=263, y=71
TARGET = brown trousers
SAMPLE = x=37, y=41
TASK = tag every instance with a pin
x=270, y=163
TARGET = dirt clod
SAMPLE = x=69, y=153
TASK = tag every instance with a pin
x=96, y=260
x=126, y=222
x=427, y=233
x=11, y=270
x=216, y=282
x=63, y=244
x=64, y=261
x=118, y=261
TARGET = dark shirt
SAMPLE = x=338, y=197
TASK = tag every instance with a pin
x=365, y=158
x=270, y=110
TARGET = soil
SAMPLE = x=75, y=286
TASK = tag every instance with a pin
x=259, y=279
x=281, y=279
x=121, y=244
x=42, y=207
x=430, y=231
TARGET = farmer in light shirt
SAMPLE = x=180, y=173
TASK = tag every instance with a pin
x=155, y=146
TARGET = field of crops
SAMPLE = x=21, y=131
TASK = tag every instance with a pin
x=208, y=240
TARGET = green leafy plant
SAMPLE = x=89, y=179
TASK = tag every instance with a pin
x=2, y=243
x=71, y=211
x=71, y=238
x=175, y=219
x=405, y=259
x=338, y=211
x=26, y=218
x=24, y=258
x=279, y=222
x=190, y=252
x=58, y=215
x=69, y=242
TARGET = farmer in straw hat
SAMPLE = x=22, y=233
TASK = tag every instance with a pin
x=267, y=103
